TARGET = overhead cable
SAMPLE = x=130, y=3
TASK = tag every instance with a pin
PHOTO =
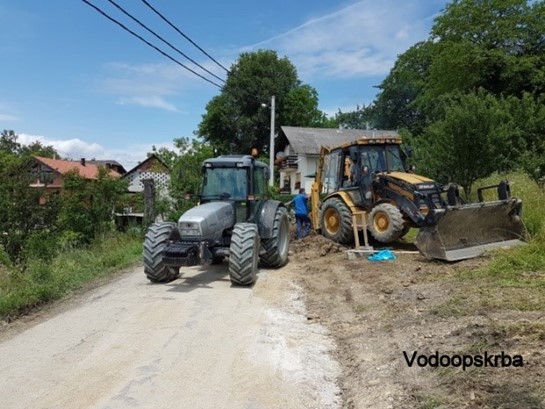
x=182, y=34
x=148, y=43
x=162, y=39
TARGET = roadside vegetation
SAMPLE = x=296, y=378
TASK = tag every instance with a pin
x=39, y=281
x=53, y=244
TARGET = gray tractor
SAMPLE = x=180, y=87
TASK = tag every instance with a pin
x=234, y=219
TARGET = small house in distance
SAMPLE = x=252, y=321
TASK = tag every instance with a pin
x=50, y=173
x=299, y=151
x=151, y=168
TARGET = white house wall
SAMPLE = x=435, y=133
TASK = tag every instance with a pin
x=162, y=182
x=306, y=165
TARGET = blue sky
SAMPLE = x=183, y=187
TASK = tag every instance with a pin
x=75, y=80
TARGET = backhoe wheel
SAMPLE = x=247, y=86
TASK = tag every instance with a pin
x=244, y=254
x=336, y=221
x=155, y=242
x=386, y=223
x=276, y=248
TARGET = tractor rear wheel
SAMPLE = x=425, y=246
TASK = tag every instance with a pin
x=244, y=254
x=155, y=242
x=276, y=248
x=386, y=223
x=336, y=221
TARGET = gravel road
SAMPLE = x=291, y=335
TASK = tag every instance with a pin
x=197, y=342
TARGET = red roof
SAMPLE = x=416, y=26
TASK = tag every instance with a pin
x=87, y=171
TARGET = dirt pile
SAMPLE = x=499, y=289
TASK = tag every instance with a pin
x=383, y=314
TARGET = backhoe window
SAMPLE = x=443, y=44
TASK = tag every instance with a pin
x=331, y=172
x=225, y=183
x=393, y=157
x=384, y=158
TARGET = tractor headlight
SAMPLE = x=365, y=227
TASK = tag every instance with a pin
x=189, y=229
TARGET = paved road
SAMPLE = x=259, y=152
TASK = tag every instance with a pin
x=194, y=343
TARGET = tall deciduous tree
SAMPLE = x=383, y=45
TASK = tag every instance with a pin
x=239, y=118
x=483, y=57
x=472, y=140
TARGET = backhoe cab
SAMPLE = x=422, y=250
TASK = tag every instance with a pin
x=234, y=219
x=371, y=175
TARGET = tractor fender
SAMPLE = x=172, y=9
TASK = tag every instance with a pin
x=265, y=217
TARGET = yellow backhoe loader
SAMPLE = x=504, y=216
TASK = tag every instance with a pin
x=370, y=174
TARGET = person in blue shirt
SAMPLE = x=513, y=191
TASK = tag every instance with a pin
x=300, y=202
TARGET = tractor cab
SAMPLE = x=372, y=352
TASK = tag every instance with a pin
x=239, y=179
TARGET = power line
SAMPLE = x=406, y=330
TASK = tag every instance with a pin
x=148, y=43
x=182, y=34
x=162, y=39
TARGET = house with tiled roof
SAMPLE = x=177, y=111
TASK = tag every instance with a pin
x=49, y=173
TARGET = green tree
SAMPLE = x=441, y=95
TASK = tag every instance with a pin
x=87, y=205
x=236, y=120
x=360, y=118
x=492, y=44
x=397, y=104
x=22, y=217
x=475, y=138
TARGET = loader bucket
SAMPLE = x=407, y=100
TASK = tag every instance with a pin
x=461, y=232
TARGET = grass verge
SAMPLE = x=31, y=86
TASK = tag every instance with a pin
x=43, y=281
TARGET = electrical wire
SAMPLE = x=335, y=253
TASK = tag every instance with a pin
x=182, y=34
x=162, y=39
x=148, y=43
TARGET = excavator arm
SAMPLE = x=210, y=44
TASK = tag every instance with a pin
x=317, y=189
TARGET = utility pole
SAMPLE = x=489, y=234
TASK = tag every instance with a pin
x=271, y=143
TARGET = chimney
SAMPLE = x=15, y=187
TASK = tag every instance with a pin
x=82, y=161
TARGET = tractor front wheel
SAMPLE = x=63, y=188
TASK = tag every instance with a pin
x=155, y=242
x=244, y=254
x=386, y=223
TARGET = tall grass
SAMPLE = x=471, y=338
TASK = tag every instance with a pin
x=524, y=259
x=42, y=281
x=533, y=198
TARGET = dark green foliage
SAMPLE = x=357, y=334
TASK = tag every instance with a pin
x=361, y=118
x=236, y=120
x=471, y=95
x=22, y=215
x=468, y=143
x=34, y=226
x=87, y=205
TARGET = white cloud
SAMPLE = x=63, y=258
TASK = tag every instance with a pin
x=360, y=40
x=8, y=118
x=149, y=102
x=152, y=85
x=75, y=148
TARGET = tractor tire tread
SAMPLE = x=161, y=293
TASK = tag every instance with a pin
x=272, y=254
x=396, y=228
x=346, y=231
x=243, y=254
x=154, y=243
